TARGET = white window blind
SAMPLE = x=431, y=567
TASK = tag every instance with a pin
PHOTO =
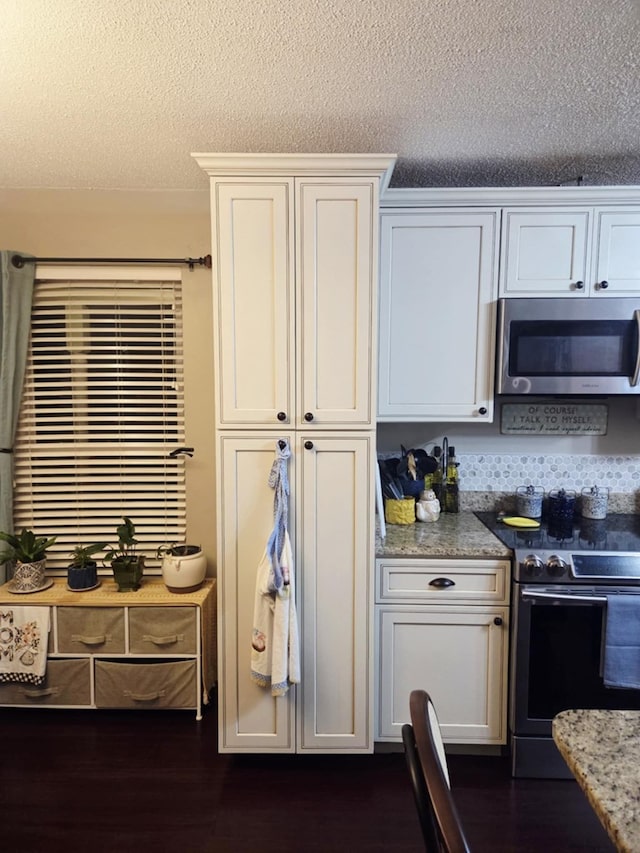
x=102, y=408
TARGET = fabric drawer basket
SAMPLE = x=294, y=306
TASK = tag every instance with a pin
x=154, y=630
x=67, y=682
x=146, y=685
x=91, y=630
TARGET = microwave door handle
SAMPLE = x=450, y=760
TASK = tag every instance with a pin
x=636, y=372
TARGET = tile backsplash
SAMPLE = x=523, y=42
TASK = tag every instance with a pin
x=502, y=472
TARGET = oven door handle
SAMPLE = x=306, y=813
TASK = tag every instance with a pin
x=539, y=595
x=636, y=372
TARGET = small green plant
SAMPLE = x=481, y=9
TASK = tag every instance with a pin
x=125, y=554
x=26, y=547
x=82, y=555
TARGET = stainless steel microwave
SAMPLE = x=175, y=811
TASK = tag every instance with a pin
x=568, y=346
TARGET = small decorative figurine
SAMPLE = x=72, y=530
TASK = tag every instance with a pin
x=428, y=507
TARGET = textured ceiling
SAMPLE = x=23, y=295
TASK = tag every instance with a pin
x=116, y=94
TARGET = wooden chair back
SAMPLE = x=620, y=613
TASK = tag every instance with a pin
x=424, y=750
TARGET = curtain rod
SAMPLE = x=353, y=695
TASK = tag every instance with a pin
x=19, y=261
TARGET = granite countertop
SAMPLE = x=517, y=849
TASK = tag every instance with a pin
x=602, y=750
x=452, y=535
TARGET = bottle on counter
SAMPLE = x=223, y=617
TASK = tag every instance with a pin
x=451, y=486
x=436, y=477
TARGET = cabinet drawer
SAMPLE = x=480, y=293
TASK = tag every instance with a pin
x=168, y=630
x=146, y=685
x=432, y=581
x=90, y=629
x=67, y=682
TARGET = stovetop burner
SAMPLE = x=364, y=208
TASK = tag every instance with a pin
x=582, y=551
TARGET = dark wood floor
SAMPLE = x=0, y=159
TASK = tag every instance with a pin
x=94, y=781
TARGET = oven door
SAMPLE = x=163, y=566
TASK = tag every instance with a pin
x=556, y=656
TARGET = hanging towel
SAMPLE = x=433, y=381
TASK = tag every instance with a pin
x=275, y=645
x=275, y=655
x=24, y=636
x=279, y=482
x=622, y=642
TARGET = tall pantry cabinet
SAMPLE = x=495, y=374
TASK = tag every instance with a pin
x=295, y=245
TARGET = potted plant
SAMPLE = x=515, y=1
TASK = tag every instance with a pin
x=82, y=571
x=183, y=567
x=126, y=563
x=29, y=554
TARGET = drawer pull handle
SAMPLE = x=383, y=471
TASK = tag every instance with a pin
x=90, y=641
x=144, y=697
x=497, y=620
x=163, y=641
x=442, y=583
x=40, y=694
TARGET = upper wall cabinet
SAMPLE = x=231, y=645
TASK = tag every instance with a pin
x=568, y=251
x=295, y=275
x=438, y=286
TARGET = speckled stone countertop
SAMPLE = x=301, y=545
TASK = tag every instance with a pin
x=452, y=535
x=602, y=750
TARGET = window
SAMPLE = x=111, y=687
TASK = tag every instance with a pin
x=102, y=408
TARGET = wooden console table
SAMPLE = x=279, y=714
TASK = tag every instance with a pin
x=107, y=649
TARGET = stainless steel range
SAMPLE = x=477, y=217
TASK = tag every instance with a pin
x=562, y=580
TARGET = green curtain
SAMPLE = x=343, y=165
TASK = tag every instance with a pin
x=16, y=293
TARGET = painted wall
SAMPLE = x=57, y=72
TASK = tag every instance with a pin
x=145, y=224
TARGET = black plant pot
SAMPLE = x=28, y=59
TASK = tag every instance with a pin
x=79, y=579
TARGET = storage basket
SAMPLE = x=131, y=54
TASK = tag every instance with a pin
x=400, y=512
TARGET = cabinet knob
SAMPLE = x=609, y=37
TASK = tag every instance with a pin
x=497, y=620
x=308, y=417
x=604, y=285
x=579, y=285
x=282, y=416
x=482, y=410
x=308, y=445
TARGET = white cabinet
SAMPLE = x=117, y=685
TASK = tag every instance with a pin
x=331, y=519
x=616, y=260
x=295, y=251
x=296, y=283
x=556, y=251
x=438, y=286
x=335, y=579
x=443, y=626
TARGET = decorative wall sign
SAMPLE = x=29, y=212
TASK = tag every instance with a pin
x=557, y=417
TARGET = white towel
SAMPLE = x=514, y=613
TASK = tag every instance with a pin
x=24, y=636
x=275, y=652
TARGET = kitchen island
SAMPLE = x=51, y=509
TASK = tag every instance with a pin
x=602, y=750
x=454, y=535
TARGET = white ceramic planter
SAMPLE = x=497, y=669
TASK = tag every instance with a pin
x=184, y=568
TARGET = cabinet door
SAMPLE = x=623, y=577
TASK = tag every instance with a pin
x=458, y=655
x=253, y=303
x=250, y=718
x=617, y=244
x=335, y=559
x=336, y=234
x=438, y=285
x=545, y=252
